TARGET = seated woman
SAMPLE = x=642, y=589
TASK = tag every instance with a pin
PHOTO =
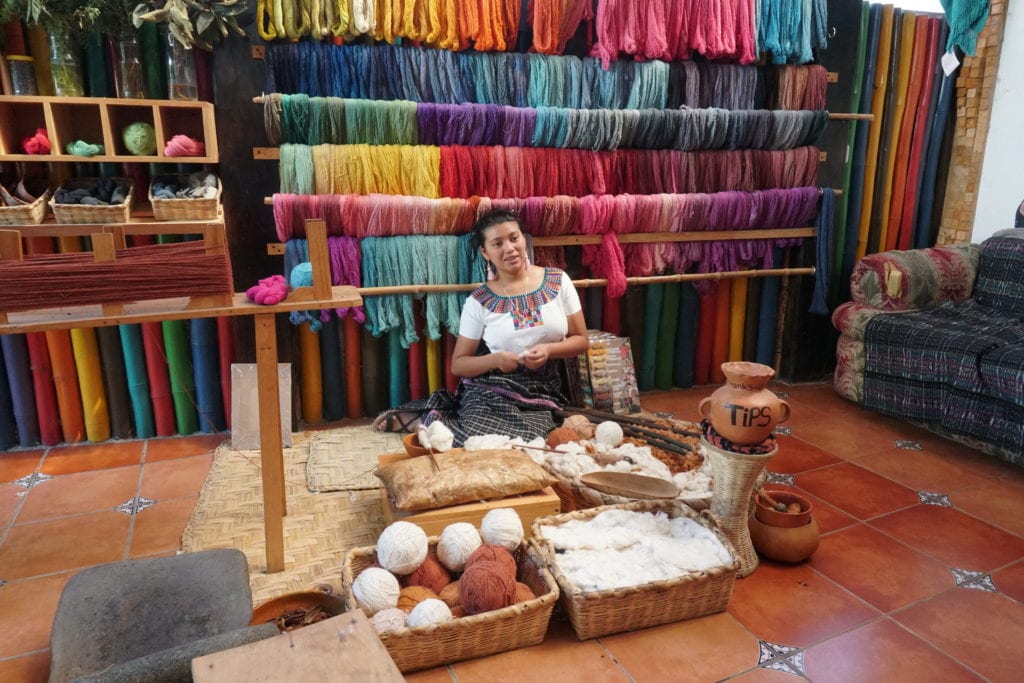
x=512, y=330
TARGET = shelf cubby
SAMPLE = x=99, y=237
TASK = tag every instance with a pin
x=20, y=120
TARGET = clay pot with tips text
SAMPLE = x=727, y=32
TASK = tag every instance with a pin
x=744, y=410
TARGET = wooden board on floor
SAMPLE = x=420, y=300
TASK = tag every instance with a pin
x=342, y=648
x=528, y=506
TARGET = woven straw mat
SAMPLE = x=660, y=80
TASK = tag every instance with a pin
x=344, y=459
x=318, y=529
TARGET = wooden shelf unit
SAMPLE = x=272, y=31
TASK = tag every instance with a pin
x=101, y=120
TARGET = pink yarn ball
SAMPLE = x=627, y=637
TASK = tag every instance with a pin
x=431, y=574
x=493, y=553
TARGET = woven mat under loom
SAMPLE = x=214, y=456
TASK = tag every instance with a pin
x=344, y=459
x=318, y=529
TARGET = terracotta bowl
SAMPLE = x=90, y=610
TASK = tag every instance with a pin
x=793, y=544
x=412, y=445
x=786, y=520
x=275, y=607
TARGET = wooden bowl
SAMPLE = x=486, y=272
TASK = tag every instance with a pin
x=271, y=609
x=412, y=445
x=786, y=520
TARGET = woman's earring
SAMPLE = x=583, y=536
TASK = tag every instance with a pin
x=490, y=272
x=527, y=259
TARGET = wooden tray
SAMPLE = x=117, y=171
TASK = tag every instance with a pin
x=629, y=485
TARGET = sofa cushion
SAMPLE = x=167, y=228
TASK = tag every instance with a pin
x=913, y=279
x=1002, y=371
x=941, y=344
x=851, y=319
x=1000, y=283
x=986, y=418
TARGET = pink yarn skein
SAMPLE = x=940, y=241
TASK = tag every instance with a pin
x=184, y=146
x=270, y=290
x=37, y=144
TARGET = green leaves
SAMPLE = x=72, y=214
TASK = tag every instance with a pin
x=194, y=23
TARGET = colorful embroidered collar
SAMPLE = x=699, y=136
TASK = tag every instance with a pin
x=531, y=301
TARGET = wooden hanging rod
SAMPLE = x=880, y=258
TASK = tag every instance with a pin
x=277, y=249
x=269, y=201
x=595, y=282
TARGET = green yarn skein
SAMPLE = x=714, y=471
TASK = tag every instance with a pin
x=139, y=138
x=81, y=148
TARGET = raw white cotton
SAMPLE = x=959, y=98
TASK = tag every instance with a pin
x=621, y=548
x=436, y=435
x=609, y=433
x=456, y=543
x=503, y=527
x=430, y=611
x=402, y=547
x=376, y=589
x=388, y=620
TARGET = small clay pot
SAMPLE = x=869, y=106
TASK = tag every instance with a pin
x=412, y=445
x=785, y=545
x=786, y=520
x=744, y=410
x=331, y=603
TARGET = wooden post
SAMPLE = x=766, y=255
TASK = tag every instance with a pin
x=316, y=233
x=103, y=251
x=271, y=455
x=10, y=245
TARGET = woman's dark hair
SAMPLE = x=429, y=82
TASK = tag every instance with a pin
x=489, y=219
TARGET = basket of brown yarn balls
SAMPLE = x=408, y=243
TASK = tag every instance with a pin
x=462, y=598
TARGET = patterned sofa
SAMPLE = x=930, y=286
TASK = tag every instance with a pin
x=936, y=336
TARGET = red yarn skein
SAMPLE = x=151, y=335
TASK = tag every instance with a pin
x=431, y=574
x=37, y=144
x=493, y=553
x=486, y=586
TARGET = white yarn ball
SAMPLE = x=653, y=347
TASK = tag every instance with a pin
x=402, y=547
x=609, y=433
x=503, y=527
x=376, y=589
x=430, y=611
x=388, y=620
x=456, y=544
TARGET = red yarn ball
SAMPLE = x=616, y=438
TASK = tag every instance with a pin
x=523, y=592
x=486, y=586
x=431, y=574
x=449, y=595
x=493, y=553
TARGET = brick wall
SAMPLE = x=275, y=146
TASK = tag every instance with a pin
x=974, y=92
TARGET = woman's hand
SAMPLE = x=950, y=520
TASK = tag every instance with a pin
x=535, y=357
x=506, y=361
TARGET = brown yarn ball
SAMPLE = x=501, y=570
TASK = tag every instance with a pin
x=561, y=435
x=493, y=553
x=409, y=597
x=523, y=592
x=581, y=425
x=486, y=586
x=458, y=612
x=449, y=595
x=431, y=574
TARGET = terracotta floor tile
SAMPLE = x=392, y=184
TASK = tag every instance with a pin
x=764, y=676
x=1010, y=581
x=178, y=478
x=986, y=465
x=561, y=657
x=881, y=651
x=72, y=494
x=980, y=629
x=795, y=605
x=953, y=538
x=705, y=649
x=10, y=497
x=158, y=528
x=33, y=668
x=88, y=457
x=182, y=447
x=439, y=675
x=855, y=490
x=996, y=501
x=798, y=456
x=69, y=543
x=852, y=437
x=682, y=403
x=881, y=571
x=28, y=608
x=16, y=464
x=920, y=470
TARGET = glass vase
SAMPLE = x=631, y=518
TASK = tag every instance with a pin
x=129, y=78
x=65, y=64
x=181, y=70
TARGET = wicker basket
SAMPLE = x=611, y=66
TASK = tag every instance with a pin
x=29, y=214
x=578, y=496
x=599, y=613
x=520, y=625
x=184, y=209
x=87, y=213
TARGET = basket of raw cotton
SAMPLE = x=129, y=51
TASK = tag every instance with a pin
x=466, y=593
x=194, y=197
x=626, y=567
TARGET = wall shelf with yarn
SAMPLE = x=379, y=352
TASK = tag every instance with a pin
x=101, y=120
